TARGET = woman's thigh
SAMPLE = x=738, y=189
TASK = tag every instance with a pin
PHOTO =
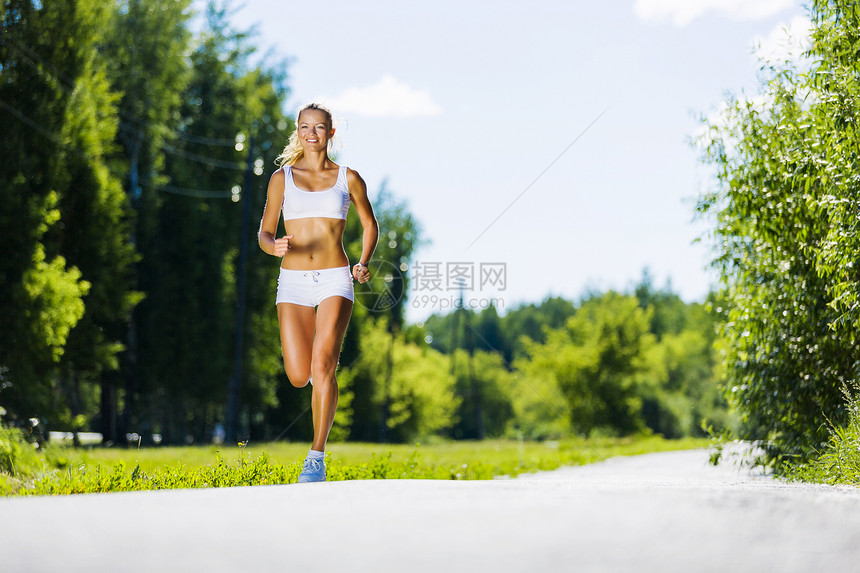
x=332, y=318
x=297, y=339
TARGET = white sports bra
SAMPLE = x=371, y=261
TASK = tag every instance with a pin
x=332, y=203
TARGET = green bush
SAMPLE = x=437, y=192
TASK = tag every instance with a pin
x=9, y=450
x=22, y=461
x=17, y=456
x=784, y=214
x=412, y=385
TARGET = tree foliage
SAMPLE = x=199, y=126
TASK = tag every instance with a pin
x=412, y=386
x=146, y=45
x=614, y=364
x=383, y=297
x=68, y=282
x=784, y=210
x=483, y=387
x=594, y=358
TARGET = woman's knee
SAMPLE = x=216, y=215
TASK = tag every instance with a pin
x=323, y=368
x=298, y=377
x=326, y=386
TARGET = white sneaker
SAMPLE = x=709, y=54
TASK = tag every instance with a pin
x=312, y=470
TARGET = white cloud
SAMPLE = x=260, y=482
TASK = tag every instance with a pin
x=786, y=42
x=386, y=98
x=682, y=12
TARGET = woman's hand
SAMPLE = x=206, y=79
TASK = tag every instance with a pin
x=361, y=273
x=282, y=245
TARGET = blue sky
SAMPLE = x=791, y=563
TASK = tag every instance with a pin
x=461, y=106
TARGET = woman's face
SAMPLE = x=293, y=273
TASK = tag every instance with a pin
x=314, y=129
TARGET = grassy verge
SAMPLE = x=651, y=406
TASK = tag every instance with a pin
x=65, y=470
x=839, y=462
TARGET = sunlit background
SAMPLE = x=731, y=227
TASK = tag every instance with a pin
x=546, y=155
x=464, y=107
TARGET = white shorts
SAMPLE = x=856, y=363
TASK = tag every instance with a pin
x=309, y=288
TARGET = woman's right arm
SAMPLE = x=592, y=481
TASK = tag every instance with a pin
x=271, y=217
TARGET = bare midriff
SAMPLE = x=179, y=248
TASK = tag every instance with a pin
x=317, y=243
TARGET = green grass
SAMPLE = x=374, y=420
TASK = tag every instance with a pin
x=839, y=462
x=67, y=470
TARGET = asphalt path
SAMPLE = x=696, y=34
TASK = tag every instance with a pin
x=661, y=512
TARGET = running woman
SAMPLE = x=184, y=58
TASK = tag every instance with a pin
x=314, y=194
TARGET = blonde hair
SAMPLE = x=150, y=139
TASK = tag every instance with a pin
x=293, y=151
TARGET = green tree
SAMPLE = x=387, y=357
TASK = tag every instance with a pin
x=494, y=333
x=383, y=297
x=832, y=165
x=186, y=329
x=785, y=234
x=145, y=47
x=491, y=336
x=668, y=311
x=399, y=236
x=540, y=408
x=262, y=372
x=96, y=235
x=58, y=195
x=483, y=386
x=415, y=381
x=594, y=359
x=679, y=383
x=532, y=321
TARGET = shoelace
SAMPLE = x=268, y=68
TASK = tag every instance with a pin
x=313, y=275
x=312, y=465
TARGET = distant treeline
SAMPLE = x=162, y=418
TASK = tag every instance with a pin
x=610, y=364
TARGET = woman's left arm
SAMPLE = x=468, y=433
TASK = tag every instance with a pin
x=369, y=226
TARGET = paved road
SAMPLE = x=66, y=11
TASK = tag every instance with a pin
x=659, y=512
